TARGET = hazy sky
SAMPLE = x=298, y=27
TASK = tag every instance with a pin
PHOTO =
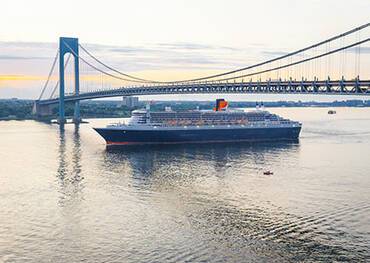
x=179, y=37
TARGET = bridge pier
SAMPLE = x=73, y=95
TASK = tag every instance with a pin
x=42, y=111
x=76, y=114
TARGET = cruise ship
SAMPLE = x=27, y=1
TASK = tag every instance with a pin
x=200, y=126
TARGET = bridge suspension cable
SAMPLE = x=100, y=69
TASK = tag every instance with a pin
x=49, y=76
x=298, y=62
x=244, y=75
x=141, y=80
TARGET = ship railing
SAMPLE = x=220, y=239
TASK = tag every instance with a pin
x=227, y=124
x=116, y=124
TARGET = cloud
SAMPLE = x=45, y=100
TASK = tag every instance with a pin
x=162, y=47
x=274, y=53
x=354, y=50
x=130, y=49
x=20, y=44
x=194, y=46
x=9, y=57
x=363, y=50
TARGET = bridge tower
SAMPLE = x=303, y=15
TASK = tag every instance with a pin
x=68, y=45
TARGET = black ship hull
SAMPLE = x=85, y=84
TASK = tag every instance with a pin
x=125, y=136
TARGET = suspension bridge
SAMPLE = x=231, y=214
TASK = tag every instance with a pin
x=329, y=67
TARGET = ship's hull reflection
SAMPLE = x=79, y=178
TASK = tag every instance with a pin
x=220, y=147
x=193, y=159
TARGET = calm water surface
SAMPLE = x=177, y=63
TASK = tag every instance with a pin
x=64, y=197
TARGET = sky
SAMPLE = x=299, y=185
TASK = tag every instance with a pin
x=164, y=39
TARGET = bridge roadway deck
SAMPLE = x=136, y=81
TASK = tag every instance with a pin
x=327, y=87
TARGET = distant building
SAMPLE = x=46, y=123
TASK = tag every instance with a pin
x=130, y=102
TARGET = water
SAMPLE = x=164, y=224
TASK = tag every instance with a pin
x=65, y=198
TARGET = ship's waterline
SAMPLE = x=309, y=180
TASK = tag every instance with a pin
x=195, y=135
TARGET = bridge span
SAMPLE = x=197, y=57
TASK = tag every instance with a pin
x=328, y=87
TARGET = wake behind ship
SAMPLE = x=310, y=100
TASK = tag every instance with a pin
x=200, y=126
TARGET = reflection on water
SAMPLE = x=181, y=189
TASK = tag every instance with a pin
x=66, y=197
x=255, y=229
x=69, y=172
x=188, y=173
x=149, y=160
